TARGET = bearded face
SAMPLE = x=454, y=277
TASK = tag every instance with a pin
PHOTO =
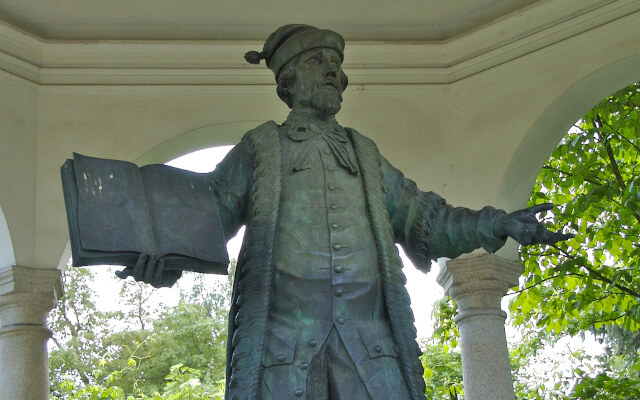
x=326, y=99
x=317, y=84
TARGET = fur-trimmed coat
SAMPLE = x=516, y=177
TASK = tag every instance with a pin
x=247, y=184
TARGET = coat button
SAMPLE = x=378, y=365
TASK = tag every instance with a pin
x=327, y=151
x=338, y=268
x=377, y=348
x=332, y=187
x=333, y=206
x=299, y=392
x=280, y=357
x=335, y=225
x=331, y=169
x=338, y=292
x=336, y=246
x=340, y=321
x=304, y=366
x=312, y=342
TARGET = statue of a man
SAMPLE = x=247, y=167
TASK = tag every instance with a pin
x=320, y=309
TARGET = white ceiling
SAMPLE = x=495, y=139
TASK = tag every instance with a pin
x=422, y=20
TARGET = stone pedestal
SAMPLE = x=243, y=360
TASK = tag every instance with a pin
x=478, y=283
x=26, y=296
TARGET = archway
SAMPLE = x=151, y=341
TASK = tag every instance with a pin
x=200, y=138
x=554, y=122
x=7, y=256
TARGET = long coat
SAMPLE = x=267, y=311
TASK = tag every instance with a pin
x=247, y=184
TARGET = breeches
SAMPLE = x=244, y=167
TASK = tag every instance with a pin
x=333, y=375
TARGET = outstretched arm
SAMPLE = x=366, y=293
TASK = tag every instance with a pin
x=230, y=184
x=428, y=228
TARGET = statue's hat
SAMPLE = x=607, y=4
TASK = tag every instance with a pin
x=288, y=41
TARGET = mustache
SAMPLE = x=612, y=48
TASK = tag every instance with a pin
x=326, y=88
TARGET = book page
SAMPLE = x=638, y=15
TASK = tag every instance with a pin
x=185, y=214
x=113, y=214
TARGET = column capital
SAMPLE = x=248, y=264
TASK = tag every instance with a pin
x=27, y=294
x=479, y=281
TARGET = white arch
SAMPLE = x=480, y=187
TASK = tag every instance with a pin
x=7, y=257
x=201, y=138
x=553, y=124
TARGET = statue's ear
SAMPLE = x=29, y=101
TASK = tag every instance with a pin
x=283, y=90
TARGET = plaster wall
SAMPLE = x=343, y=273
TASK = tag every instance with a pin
x=18, y=105
x=501, y=114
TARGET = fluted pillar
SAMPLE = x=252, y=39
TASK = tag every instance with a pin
x=478, y=283
x=26, y=297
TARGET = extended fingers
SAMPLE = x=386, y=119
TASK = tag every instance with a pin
x=139, y=269
x=158, y=274
x=149, y=270
x=538, y=208
x=123, y=274
x=553, y=237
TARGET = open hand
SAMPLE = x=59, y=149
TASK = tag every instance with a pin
x=151, y=271
x=524, y=227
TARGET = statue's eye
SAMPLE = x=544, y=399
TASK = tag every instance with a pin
x=313, y=60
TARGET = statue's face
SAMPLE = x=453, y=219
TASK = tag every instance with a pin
x=318, y=83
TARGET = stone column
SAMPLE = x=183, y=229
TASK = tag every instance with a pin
x=26, y=296
x=478, y=283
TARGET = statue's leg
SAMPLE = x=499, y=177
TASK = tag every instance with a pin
x=344, y=381
x=318, y=378
x=354, y=374
x=298, y=380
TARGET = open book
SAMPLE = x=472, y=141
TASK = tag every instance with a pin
x=117, y=211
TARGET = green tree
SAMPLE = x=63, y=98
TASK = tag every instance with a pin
x=442, y=372
x=78, y=327
x=137, y=347
x=591, y=283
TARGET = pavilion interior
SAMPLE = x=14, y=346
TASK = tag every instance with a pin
x=466, y=98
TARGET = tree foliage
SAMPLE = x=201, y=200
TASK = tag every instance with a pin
x=591, y=283
x=133, y=351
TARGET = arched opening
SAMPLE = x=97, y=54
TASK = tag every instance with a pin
x=551, y=126
x=587, y=286
x=554, y=122
x=7, y=256
x=224, y=134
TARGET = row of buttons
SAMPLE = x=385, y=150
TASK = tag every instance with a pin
x=336, y=246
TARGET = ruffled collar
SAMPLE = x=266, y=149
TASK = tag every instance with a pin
x=303, y=126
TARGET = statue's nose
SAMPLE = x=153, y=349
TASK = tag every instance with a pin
x=331, y=73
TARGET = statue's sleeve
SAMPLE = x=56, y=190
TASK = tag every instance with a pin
x=428, y=228
x=231, y=183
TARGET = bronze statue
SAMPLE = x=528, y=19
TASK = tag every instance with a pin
x=319, y=306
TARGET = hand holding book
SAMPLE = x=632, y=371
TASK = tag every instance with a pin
x=151, y=270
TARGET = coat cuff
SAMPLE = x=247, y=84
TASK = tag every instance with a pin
x=485, y=228
x=418, y=228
